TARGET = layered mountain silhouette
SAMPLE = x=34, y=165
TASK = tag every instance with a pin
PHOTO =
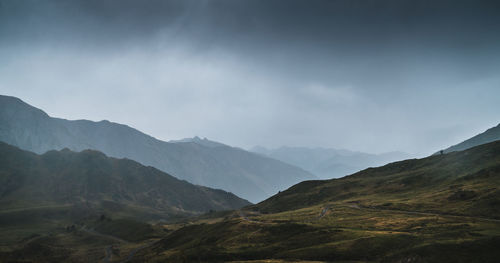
x=490, y=135
x=249, y=175
x=329, y=163
x=91, y=182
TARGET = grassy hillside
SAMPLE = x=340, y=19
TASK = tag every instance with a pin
x=42, y=193
x=79, y=207
x=464, y=183
x=437, y=209
x=90, y=179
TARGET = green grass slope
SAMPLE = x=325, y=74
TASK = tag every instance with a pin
x=462, y=183
x=438, y=209
x=64, y=206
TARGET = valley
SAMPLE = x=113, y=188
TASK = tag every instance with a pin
x=249, y=131
x=442, y=208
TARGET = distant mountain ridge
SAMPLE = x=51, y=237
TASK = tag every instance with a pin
x=249, y=175
x=198, y=140
x=329, y=163
x=90, y=182
x=490, y=135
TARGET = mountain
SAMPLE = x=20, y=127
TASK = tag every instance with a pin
x=490, y=135
x=443, y=208
x=249, y=175
x=430, y=184
x=329, y=163
x=91, y=181
x=205, y=142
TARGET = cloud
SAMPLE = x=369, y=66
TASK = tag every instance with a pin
x=378, y=76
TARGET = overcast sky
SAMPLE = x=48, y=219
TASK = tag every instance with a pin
x=374, y=76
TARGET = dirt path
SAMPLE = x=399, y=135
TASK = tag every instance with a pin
x=93, y=232
x=135, y=250
x=323, y=212
x=108, y=252
x=427, y=213
x=245, y=217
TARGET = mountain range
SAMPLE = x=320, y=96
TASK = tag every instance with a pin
x=327, y=163
x=62, y=197
x=251, y=176
x=65, y=201
x=90, y=182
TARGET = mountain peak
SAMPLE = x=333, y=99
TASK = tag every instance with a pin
x=10, y=106
x=490, y=135
x=197, y=140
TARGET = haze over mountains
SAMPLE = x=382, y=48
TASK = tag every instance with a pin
x=327, y=163
x=248, y=175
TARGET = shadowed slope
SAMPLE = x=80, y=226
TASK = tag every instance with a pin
x=91, y=181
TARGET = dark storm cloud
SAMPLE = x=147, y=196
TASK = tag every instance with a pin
x=343, y=23
x=359, y=74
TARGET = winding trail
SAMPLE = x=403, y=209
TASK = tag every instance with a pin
x=245, y=217
x=135, y=250
x=93, y=232
x=356, y=206
x=108, y=251
x=434, y=214
x=324, y=211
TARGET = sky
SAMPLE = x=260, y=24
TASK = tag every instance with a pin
x=365, y=75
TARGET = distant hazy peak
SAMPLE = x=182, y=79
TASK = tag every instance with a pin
x=328, y=162
x=205, y=142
